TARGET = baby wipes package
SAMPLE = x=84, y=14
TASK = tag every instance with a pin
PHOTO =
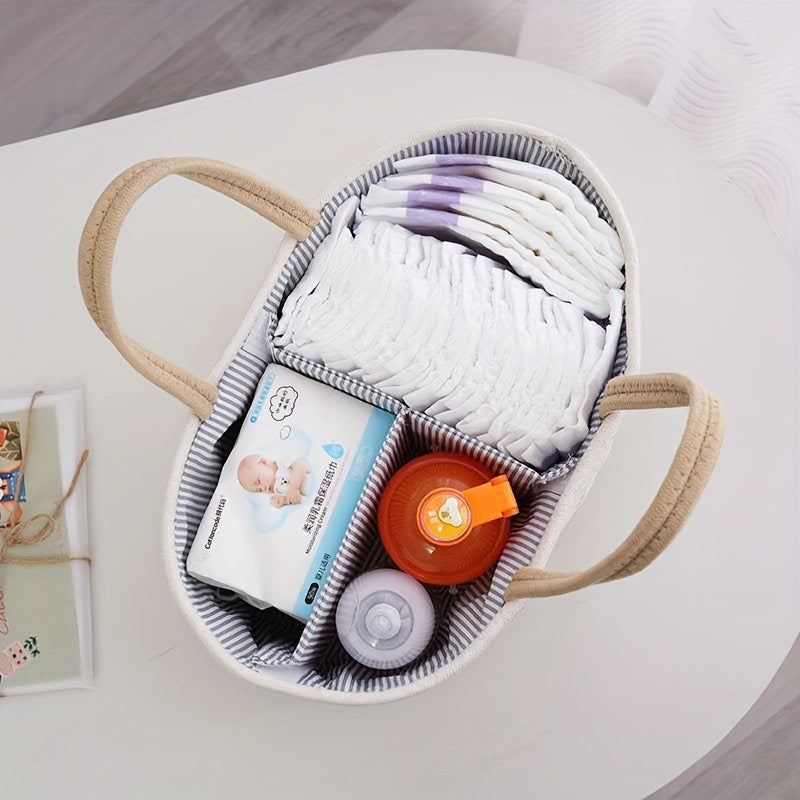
x=287, y=491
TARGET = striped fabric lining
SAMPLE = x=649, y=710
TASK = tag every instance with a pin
x=269, y=638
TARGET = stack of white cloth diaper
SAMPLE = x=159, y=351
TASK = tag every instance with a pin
x=458, y=335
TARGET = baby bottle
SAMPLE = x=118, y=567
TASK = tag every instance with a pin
x=444, y=518
x=384, y=619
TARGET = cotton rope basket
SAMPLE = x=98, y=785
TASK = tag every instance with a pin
x=276, y=651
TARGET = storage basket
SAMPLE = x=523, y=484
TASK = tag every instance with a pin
x=274, y=650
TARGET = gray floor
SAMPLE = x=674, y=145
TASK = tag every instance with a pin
x=65, y=63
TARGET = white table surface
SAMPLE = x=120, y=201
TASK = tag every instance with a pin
x=608, y=693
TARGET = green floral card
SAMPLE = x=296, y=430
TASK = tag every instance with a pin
x=45, y=619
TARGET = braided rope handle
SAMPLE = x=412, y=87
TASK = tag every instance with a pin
x=99, y=240
x=686, y=478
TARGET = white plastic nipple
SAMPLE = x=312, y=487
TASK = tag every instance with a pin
x=383, y=621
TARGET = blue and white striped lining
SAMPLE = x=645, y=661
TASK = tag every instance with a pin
x=263, y=638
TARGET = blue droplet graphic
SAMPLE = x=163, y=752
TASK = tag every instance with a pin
x=333, y=450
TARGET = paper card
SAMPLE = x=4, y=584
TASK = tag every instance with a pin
x=45, y=620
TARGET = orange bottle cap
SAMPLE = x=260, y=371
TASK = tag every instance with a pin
x=437, y=501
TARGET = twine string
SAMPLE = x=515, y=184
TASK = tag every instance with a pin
x=39, y=527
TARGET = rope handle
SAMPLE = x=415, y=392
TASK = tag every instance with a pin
x=686, y=478
x=99, y=240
